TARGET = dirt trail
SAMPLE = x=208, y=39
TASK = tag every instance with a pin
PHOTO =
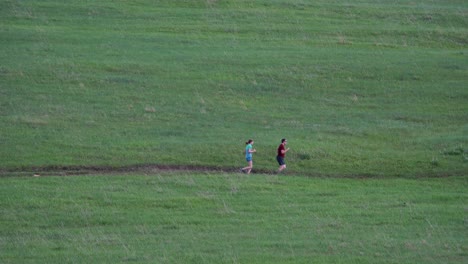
x=65, y=170
x=57, y=170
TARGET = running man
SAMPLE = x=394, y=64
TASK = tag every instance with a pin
x=281, y=153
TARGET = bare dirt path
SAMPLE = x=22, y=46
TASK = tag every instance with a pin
x=152, y=169
x=58, y=170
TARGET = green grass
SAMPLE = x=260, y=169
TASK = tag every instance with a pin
x=232, y=218
x=372, y=95
x=361, y=88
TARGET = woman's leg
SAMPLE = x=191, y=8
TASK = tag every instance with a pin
x=248, y=168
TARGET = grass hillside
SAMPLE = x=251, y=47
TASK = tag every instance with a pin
x=232, y=218
x=358, y=88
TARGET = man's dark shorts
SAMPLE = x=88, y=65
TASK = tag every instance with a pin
x=280, y=160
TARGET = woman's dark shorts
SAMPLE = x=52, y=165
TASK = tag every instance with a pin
x=280, y=160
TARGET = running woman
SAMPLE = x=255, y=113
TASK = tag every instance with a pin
x=248, y=156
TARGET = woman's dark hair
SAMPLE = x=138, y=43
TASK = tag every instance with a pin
x=249, y=141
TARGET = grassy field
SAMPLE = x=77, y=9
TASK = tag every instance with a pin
x=358, y=88
x=227, y=218
x=372, y=96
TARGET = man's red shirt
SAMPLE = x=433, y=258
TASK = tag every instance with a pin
x=280, y=153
